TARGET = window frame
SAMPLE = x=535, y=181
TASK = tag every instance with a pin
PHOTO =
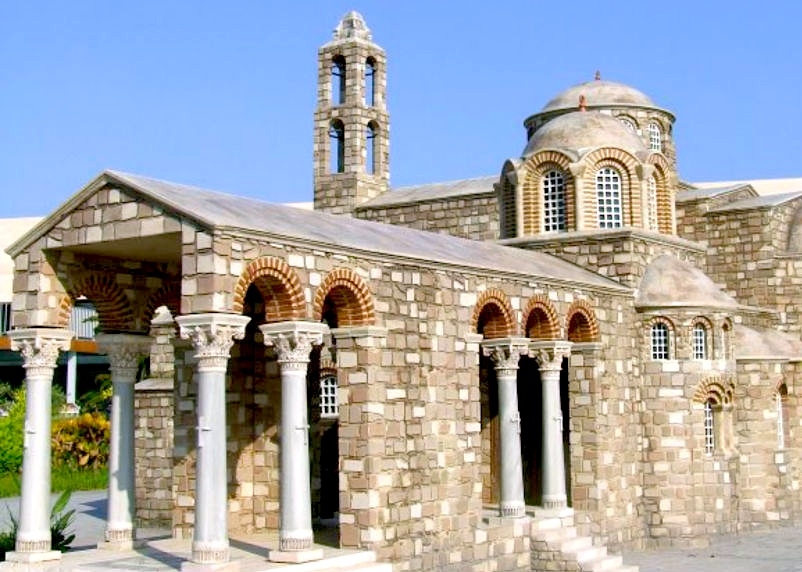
x=329, y=396
x=609, y=198
x=339, y=76
x=709, y=427
x=655, y=137
x=700, y=341
x=336, y=146
x=660, y=341
x=552, y=186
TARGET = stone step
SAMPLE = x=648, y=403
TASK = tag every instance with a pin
x=554, y=535
x=576, y=544
x=589, y=554
x=364, y=561
x=606, y=564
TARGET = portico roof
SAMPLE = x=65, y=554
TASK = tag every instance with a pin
x=220, y=211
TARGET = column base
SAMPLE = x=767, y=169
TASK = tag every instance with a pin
x=514, y=509
x=230, y=566
x=119, y=540
x=295, y=556
x=555, y=502
x=32, y=557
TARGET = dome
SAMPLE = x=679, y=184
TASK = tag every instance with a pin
x=599, y=93
x=581, y=130
x=670, y=282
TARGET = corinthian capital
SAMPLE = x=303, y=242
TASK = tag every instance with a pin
x=549, y=354
x=39, y=347
x=505, y=352
x=212, y=336
x=293, y=340
x=124, y=352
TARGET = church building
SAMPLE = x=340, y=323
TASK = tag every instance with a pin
x=578, y=355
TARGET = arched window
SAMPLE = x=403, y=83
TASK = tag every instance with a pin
x=629, y=124
x=699, y=341
x=554, y=201
x=338, y=77
x=509, y=222
x=370, y=148
x=608, y=193
x=651, y=204
x=783, y=428
x=370, y=82
x=655, y=137
x=710, y=428
x=329, y=406
x=660, y=341
x=337, y=147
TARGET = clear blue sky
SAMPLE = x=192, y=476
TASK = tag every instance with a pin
x=221, y=94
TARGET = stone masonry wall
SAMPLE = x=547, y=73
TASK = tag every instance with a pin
x=474, y=216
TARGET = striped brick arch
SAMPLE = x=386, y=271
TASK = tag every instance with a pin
x=626, y=164
x=112, y=306
x=532, y=191
x=278, y=285
x=344, y=300
x=717, y=389
x=581, y=324
x=168, y=295
x=492, y=315
x=665, y=198
x=542, y=322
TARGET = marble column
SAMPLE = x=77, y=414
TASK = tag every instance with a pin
x=293, y=342
x=124, y=352
x=549, y=356
x=40, y=348
x=212, y=336
x=578, y=173
x=505, y=354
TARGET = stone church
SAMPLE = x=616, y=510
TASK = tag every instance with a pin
x=579, y=353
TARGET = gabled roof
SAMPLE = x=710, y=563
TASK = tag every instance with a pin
x=693, y=194
x=762, y=186
x=433, y=191
x=672, y=283
x=219, y=211
x=758, y=202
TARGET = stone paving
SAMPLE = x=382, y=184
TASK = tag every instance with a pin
x=777, y=550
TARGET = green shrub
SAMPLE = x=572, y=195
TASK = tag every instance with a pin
x=11, y=427
x=81, y=441
x=60, y=521
x=98, y=399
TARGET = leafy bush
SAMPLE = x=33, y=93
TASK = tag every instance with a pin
x=98, y=399
x=81, y=442
x=60, y=521
x=11, y=427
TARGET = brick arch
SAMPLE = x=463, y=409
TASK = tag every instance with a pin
x=715, y=388
x=112, y=306
x=531, y=190
x=665, y=196
x=168, y=295
x=493, y=315
x=541, y=320
x=507, y=191
x=345, y=293
x=626, y=164
x=581, y=324
x=279, y=286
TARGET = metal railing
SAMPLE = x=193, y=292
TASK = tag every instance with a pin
x=5, y=317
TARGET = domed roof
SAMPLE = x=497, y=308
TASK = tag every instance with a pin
x=581, y=130
x=352, y=25
x=761, y=343
x=600, y=93
x=670, y=282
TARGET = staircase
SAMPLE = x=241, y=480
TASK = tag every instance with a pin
x=556, y=545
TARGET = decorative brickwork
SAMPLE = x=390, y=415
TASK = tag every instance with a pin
x=168, y=295
x=345, y=295
x=532, y=190
x=113, y=308
x=542, y=322
x=492, y=315
x=278, y=284
x=580, y=323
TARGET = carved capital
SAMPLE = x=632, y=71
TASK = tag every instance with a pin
x=505, y=353
x=212, y=336
x=124, y=352
x=577, y=169
x=40, y=348
x=293, y=341
x=645, y=170
x=550, y=354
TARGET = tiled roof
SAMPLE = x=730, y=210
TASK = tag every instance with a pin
x=433, y=191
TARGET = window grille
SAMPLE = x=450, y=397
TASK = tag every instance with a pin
x=553, y=201
x=710, y=441
x=659, y=341
x=5, y=317
x=608, y=191
x=699, y=342
x=337, y=147
x=651, y=219
x=338, y=80
x=83, y=321
x=655, y=137
x=329, y=406
x=508, y=214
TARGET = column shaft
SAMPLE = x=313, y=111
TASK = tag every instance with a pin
x=39, y=349
x=212, y=335
x=554, y=495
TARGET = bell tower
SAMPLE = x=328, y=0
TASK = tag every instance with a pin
x=351, y=146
